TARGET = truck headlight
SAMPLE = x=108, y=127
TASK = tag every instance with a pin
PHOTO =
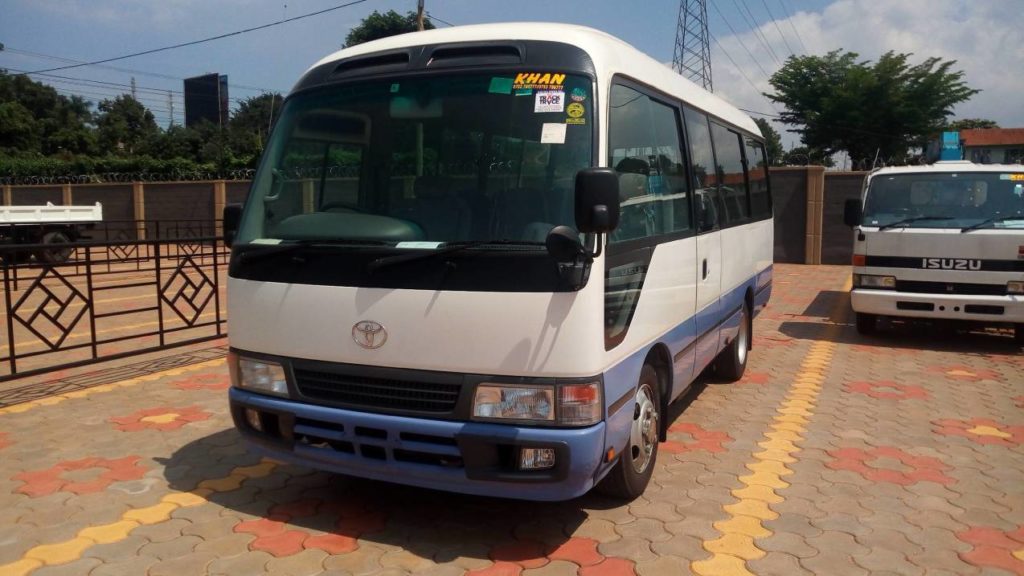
x=1015, y=287
x=257, y=375
x=872, y=281
x=568, y=405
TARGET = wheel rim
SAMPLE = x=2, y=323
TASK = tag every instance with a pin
x=743, y=338
x=643, y=436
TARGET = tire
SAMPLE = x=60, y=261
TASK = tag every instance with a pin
x=732, y=362
x=866, y=323
x=1018, y=334
x=631, y=474
x=57, y=255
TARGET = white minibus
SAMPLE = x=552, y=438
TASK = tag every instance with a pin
x=485, y=259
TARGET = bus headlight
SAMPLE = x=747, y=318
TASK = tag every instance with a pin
x=262, y=376
x=1015, y=287
x=872, y=281
x=567, y=405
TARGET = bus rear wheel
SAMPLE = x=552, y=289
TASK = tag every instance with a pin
x=631, y=474
x=732, y=362
x=55, y=255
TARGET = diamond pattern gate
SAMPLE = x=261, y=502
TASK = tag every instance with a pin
x=111, y=299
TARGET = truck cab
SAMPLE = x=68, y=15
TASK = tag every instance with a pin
x=942, y=242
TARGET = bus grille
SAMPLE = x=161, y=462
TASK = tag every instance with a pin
x=382, y=393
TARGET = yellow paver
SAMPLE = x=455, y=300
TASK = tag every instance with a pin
x=989, y=431
x=744, y=525
x=109, y=533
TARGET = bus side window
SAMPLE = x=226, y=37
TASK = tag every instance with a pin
x=705, y=177
x=757, y=176
x=732, y=183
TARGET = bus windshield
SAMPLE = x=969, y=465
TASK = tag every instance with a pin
x=430, y=159
x=946, y=200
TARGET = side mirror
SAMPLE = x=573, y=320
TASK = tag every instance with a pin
x=851, y=212
x=563, y=244
x=232, y=219
x=597, y=200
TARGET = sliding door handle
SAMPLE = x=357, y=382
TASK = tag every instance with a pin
x=705, y=268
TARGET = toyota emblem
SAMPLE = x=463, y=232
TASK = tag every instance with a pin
x=369, y=334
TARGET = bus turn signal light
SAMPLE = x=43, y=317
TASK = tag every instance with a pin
x=859, y=260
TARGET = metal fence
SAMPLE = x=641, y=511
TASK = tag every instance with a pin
x=108, y=300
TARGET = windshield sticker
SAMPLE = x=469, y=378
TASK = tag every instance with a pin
x=1012, y=177
x=524, y=92
x=266, y=241
x=394, y=88
x=578, y=94
x=575, y=112
x=419, y=245
x=549, y=101
x=551, y=133
x=538, y=81
x=500, y=85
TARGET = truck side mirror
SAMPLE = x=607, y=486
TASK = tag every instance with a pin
x=232, y=219
x=851, y=212
x=597, y=200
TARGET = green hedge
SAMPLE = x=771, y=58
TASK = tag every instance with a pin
x=18, y=169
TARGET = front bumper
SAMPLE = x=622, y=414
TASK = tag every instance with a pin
x=466, y=457
x=986, y=309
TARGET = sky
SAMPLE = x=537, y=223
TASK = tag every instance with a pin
x=985, y=37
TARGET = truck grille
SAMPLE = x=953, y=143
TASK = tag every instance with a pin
x=950, y=288
x=382, y=393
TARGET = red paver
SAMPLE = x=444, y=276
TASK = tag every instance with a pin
x=888, y=390
x=982, y=431
x=160, y=418
x=50, y=480
x=700, y=439
x=923, y=468
x=993, y=548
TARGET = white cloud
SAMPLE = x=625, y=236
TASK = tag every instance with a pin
x=985, y=37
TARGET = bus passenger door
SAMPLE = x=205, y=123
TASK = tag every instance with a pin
x=709, y=278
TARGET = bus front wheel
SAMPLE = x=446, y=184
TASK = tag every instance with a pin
x=866, y=323
x=631, y=474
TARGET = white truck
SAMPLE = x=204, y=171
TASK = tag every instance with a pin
x=46, y=225
x=943, y=241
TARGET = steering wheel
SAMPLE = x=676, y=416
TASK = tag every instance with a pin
x=344, y=205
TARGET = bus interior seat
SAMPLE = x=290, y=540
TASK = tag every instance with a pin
x=438, y=209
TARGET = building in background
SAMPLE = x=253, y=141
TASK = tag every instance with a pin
x=206, y=98
x=993, y=145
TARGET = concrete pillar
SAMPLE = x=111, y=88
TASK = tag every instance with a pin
x=815, y=209
x=8, y=194
x=220, y=199
x=139, y=206
x=65, y=195
x=308, y=195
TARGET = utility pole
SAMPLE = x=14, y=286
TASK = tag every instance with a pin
x=170, y=104
x=133, y=88
x=419, y=15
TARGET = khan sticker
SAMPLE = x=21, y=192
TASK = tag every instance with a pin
x=575, y=110
x=1012, y=177
x=538, y=81
x=549, y=101
x=578, y=94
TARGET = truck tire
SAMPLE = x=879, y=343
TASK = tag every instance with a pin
x=56, y=255
x=1018, y=334
x=732, y=362
x=631, y=474
x=866, y=323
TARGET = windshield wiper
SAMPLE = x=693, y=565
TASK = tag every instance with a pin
x=990, y=221
x=255, y=252
x=447, y=249
x=914, y=219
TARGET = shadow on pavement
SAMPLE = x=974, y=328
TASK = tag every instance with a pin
x=430, y=524
x=932, y=336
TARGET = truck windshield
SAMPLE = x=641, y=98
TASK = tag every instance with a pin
x=946, y=200
x=421, y=161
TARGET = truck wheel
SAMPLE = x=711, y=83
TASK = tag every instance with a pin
x=866, y=323
x=732, y=362
x=631, y=474
x=1018, y=334
x=56, y=255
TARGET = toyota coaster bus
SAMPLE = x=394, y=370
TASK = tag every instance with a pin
x=943, y=242
x=485, y=259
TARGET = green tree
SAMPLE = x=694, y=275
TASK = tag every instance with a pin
x=125, y=126
x=390, y=23
x=804, y=156
x=772, y=141
x=59, y=125
x=250, y=125
x=837, y=102
x=969, y=123
x=19, y=131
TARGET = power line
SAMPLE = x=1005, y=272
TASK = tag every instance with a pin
x=432, y=17
x=789, y=18
x=734, y=64
x=757, y=33
x=123, y=70
x=777, y=27
x=760, y=34
x=740, y=40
